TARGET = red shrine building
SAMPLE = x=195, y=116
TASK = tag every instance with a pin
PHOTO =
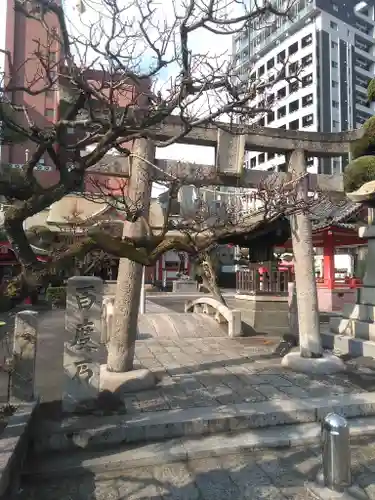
x=335, y=232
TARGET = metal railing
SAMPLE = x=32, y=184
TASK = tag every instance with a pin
x=251, y=281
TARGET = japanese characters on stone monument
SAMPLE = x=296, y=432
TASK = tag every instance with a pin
x=24, y=356
x=230, y=153
x=82, y=352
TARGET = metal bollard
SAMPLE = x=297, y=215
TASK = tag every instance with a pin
x=336, y=452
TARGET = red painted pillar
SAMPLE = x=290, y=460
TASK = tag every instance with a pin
x=329, y=260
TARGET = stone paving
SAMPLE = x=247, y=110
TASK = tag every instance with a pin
x=272, y=475
x=220, y=371
x=208, y=371
x=201, y=372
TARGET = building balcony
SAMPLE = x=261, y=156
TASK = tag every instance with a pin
x=367, y=36
x=367, y=55
x=363, y=109
x=367, y=73
x=361, y=89
x=363, y=16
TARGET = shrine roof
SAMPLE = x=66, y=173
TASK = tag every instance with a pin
x=326, y=214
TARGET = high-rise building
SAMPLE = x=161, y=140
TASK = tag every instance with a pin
x=23, y=37
x=330, y=45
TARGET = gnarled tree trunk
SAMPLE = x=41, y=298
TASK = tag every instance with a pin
x=207, y=269
x=125, y=322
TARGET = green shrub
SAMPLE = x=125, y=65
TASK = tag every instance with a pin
x=366, y=144
x=358, y=172
x=371, y=90
x=56, y=295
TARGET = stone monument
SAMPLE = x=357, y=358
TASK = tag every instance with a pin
x=183, y=283
x=357, y=320
x=82, y=353
x=24, y=356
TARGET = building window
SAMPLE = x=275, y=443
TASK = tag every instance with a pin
x=281, y=93
x=307, y=80
x=270, y=98
x=270, y=63
x=262, y=122
x=335, y=84
x=253, y=162
x=335, y=124
x=49, y=113
x=271, y=156
x=294, y=125
x=307, y=100
x=310, y=161
x=293, y=48
x=333, y=26
x=262, y=158
x=282, y=127
x=335, y=104
x=335, y=7
x=293, y=87
x=281, y=56
x=281, y=112
x=334, y=45
x=306, y=41
x=307, y=120
x=261, y=71
x=294, y=106
x=270, y=117
x=293, y=68
x=334, y=64
x=307, y=60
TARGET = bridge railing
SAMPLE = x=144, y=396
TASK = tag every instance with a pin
x=221, y=313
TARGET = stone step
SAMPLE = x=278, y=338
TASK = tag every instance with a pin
x=182, y=450
x=362, y=312
x=353, y=327
x=346, y=344
x=97, y=432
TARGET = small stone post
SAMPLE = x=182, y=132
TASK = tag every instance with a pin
x=307, y=297
x=24, y=356
x=82, y=353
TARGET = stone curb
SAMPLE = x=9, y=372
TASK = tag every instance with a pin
x=96, y=432
x=345, y=344
x=185, y=449
x=13, y=445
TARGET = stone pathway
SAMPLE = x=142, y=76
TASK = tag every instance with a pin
x=208, y=371
x=221, y=371
x=272, y=475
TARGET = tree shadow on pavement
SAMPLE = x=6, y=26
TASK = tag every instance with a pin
x=278, y=474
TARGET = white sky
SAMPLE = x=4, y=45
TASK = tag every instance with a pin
x=205, y=41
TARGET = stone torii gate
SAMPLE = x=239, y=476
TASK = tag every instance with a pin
x=229, y=171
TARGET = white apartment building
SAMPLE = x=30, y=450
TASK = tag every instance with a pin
x=331, y=46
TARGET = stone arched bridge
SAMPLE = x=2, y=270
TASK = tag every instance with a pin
x=179, y=325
